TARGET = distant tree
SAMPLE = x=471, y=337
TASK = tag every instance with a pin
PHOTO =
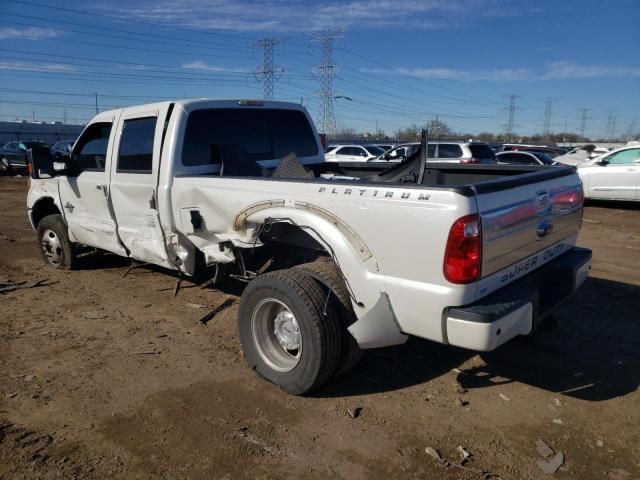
x=439, y=129
x=409, y=134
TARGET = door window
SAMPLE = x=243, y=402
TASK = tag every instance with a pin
x=625, y=157
x=449, y=150
x=135, y=154
x=91, y=149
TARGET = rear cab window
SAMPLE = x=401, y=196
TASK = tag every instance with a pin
x=246, y=141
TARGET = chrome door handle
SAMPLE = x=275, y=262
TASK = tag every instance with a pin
x=101, y=187
x=69, y=207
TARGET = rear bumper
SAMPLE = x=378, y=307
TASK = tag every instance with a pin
x=520, y=307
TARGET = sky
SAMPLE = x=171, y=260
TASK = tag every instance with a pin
x=395, y=63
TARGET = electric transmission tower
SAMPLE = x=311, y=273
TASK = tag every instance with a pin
x=325, y=73
x=610, y=131
x=583, y=121
x=267, y=73
x=546, y=130
x=511, y=118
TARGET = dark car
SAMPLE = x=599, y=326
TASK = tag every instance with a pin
x=61, y=149
x=14, y=154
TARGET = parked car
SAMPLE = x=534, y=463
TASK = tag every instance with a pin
x=516, y=147
x=525, y=158
x=384, y=146
x=614, y=176
x=61, y=149
x=332, y=265
x=352, y=153
x=443, y=152
x=14, y=154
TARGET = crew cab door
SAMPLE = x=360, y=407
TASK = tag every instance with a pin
x=134, y=180
x=84, y=190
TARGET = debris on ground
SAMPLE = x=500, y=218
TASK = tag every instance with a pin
x=94, y=315
x=552, y=460
x=599, y=443
x=504, y=397
x=557, y=402
x=543, y=449
x=223, y=306
x=464, y=454
x=11, y=286
x=557, y=421
x=551, y=466
x=432, y=452
x=196, y=305
x=354, y=412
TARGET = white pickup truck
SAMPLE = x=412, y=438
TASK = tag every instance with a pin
x=466, y=255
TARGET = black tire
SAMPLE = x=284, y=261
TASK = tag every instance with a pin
x=316, y=321
x=329, y=276
x=56, y=249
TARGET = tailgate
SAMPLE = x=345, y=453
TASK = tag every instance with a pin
x=526, y=214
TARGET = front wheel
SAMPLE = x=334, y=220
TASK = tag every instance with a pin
x=55, y=247
x=290, y=333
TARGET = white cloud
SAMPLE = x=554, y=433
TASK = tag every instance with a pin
x=36, y=67
x=200, y=65
x=28, y=33
x=296, y=15
x=560, y=70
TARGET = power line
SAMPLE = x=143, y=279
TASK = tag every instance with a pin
x=267, y=74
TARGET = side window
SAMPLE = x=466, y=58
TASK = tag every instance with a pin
x=343, y=151
x=449, y=150
x=91, y=149
x=625, y=157
x=135, y=154
x=361, y=152
x=431, y=151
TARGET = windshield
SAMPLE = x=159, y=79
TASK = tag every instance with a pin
x=544, y=158
x=34, y=144
x=377, y=151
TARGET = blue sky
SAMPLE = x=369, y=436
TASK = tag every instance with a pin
x=400, y=62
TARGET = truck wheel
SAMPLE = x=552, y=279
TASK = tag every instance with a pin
x=329, y=276
x=55, y=247
x=289, y=334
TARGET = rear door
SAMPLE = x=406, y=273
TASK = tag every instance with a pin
x=134, y=180
x=84, y=194
x=523, y=219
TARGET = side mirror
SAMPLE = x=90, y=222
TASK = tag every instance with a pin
x=603, y=162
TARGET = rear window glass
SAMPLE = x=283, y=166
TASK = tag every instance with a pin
x=252, y=134
x=482, y=151
x=449, y=150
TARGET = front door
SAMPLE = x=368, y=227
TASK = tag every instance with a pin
x=134, y=180
x=619, y=178
x=84, y=191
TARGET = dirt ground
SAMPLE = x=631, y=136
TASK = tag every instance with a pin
x=109, y=377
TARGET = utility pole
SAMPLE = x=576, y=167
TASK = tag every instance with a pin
x=64, y=116
x=96, y=94
x=564, y=132
x=325, y=72
x=33, y=116
x=610, y=131
x=511, y=109
x=546, y=130
x=267, y=73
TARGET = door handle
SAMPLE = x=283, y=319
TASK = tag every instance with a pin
x=101, y=187
x=69, y=206
x=631, y=169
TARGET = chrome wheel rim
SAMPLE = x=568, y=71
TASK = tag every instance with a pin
x=51, y=247
x=276, y=335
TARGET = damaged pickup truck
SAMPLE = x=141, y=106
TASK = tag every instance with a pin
x=466, y=255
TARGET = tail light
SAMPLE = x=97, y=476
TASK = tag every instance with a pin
x=463, y=253
x=29, y=167
x=470, y=160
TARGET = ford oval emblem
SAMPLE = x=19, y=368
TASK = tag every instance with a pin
x=544, y=228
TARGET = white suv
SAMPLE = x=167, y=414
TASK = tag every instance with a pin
x=352, y=153
x=449, y=151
